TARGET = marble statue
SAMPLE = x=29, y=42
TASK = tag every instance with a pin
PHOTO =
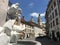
x=14, y=11
x=4, y=39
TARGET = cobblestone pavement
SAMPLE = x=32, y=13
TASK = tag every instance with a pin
x=46, y=41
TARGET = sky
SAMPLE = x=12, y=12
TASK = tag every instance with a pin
x=32, y=8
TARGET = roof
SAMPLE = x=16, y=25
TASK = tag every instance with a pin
x=25, y=22
x=31, y=23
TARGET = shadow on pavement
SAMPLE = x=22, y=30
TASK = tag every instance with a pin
x=46, y=41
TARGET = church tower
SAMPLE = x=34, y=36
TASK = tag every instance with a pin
x=39, y=21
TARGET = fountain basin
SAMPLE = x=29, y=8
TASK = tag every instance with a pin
x=26, y=42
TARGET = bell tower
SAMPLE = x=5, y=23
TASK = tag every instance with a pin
x=39, y=20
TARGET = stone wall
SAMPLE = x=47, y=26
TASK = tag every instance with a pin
x=3, y=11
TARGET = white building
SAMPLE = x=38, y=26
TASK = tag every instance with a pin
x=39, y=32
x=53, y=18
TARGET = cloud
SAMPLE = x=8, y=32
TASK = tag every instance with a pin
x=35, y=14
x=31, y=4
x=42, y=14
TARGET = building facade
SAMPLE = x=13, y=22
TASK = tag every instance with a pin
x=31, y=29
x=3, y=11
x=53, y=19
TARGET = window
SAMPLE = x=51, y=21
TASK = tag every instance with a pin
x=50, y=18
x=56, y=21
x=53, y=23
x=59, y=1
x=49, y=25
x=54, y=3
x=55, y=12
x=52, y=7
